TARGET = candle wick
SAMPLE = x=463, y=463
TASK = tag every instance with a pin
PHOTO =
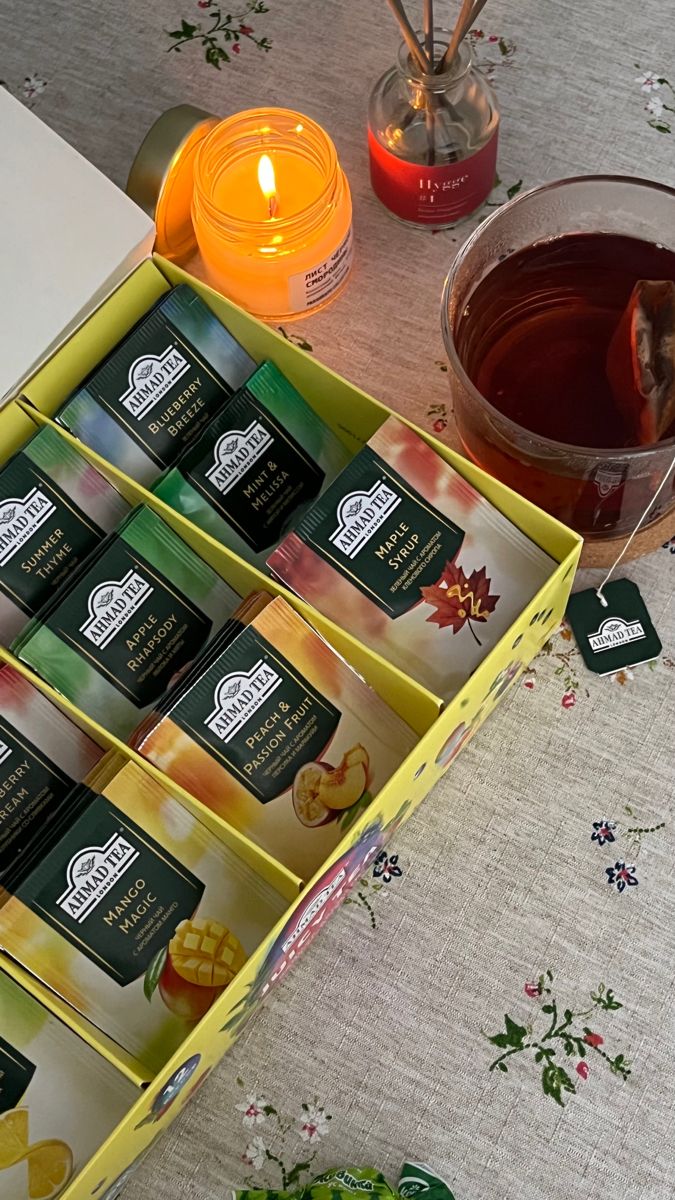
x=272, y=206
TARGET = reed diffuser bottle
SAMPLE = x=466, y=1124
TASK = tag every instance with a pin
x=433, y=126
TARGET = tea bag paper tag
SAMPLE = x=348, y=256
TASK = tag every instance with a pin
x=617, y=634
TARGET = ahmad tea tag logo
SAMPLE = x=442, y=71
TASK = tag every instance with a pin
x=20, y=519
x=92, y=873
x=360, y=515
x=238, y=697
x=150, y=378
x=236, y=452
x=111, y=605
x=615, y=631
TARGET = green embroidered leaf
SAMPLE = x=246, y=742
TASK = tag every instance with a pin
x=547, y=1008
x=513, y=1038
x=555, y=1081
x=514, y=189
x=503, y=1067
x=153, y=972
x=606, y=1000
x=296, y=1172
x=269, y=1110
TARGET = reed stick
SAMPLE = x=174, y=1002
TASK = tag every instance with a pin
x=409, y=36
x=429, y=116
x=469, y=13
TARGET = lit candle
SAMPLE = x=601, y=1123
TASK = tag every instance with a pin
x=272, y=213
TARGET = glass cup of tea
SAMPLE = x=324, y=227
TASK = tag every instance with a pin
x=531, y=306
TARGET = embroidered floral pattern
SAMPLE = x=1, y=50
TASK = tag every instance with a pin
x=283, y=1147
x=660, y=99
x=296, y=338
x=223, y=35
x=670, y=544
x=491, y=51
x=386, y=867
x=621, y=876
x=385, y=870
x=31, y=88
x=603, y=831
x=562, y=1039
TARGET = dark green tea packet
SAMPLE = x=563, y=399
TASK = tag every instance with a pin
x=54, y=509
x=256, y=467
x=139, y=610
x=159, y=387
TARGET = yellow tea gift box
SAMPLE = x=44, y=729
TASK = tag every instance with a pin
x=440, y=729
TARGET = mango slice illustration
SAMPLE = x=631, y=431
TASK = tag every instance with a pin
x=205, y=953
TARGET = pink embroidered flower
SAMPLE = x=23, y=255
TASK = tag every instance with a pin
x=593, y=1039
x=529, y=684
x=439, y=425
x=582, y=1069
x=33, y=86
x=255, y=1154
x=204, y=3
x=493, y=38
x=569, y=700
x=314, y=1123
x=246, y=30
x=236, y=49
x=253, y=1108
x=649, y=81
x=531, y=989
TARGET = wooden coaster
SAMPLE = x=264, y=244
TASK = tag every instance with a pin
x=601, y=552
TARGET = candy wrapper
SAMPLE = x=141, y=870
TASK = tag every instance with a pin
x=344, y=1183
x=133, y=912
x=159, y=387
x=42, y=755
x=59, y=1100
x=54, y=508
x=280, y=737
x=256, y=467
x=404, y=553
x=137, y=612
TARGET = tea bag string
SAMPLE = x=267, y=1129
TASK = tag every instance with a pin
x=627, y=544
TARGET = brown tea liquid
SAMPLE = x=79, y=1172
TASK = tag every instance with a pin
x=535, y=334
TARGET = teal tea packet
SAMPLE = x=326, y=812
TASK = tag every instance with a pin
x=256, y=467
x=42, y=755
x=54, y=508
x=159, y=387
x=134, y=615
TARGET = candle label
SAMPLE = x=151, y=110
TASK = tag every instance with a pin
x=29, y=785
x=130, y=623
x=380, y=534
x=432, y=195
x=159, y=389
x=310, y=288
x=110, y=889
x=16, y=1072
x=43, y=534
x=258, y=716
x=252, y=471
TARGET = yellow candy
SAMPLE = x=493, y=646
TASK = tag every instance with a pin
x=204, y=952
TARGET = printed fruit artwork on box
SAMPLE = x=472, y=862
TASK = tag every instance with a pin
x=48, y=1163
x=199, y=962
x=323, y=793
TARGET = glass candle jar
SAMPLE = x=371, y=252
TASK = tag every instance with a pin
x=529, y=309
x=272, y=213
x=432, y=139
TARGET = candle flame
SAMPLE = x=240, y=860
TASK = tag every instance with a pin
x=267, y=182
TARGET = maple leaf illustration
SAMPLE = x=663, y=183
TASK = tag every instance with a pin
x=458, y=600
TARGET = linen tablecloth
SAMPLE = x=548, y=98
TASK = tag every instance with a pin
x=496, y=996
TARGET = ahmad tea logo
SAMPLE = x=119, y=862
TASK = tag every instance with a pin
x=238, y=697
x=20, y=519
x=314, y=908
x=360, y=515
x=150, y=378
x=615, y=632
x=92, y=872
x=111, y=605
x=236, y=452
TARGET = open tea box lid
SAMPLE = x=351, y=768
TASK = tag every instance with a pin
x=68, y=238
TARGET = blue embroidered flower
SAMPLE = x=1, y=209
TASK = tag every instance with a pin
x=386, y=867
x=603, y=831
x=622, y=875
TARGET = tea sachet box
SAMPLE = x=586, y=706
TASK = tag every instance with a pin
x=59, y=1100
x=279, y=736
x=42, y=756
x=159, y=387
x=256, y=468
x=140, y=608
x=133, y=912
x=54, y=509
x=405, y=553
